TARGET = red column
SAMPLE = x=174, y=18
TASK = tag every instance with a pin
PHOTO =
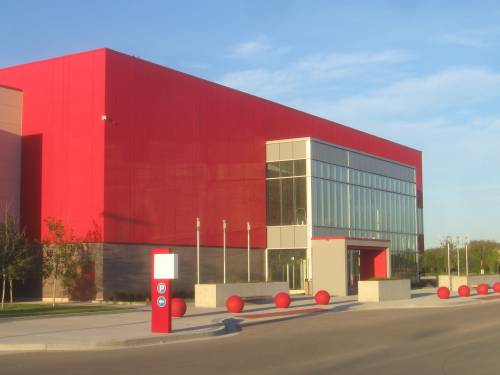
x=161, y=298
x=380, y=263
x=366, y=264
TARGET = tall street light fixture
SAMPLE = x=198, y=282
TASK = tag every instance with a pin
x=224, y=226
x=448, y=240
x=466, y=243
x=198, y=250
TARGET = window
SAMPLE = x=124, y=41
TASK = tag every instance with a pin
x=286, y=194
x=299, y=167
x=273, y=170
x=273, y=202
x=300, y=198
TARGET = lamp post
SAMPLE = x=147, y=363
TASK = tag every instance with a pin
x=457, y=242
x=466, y=242
x=224, y=225
x=449, y=269
x=248, y=250
x=198, y=250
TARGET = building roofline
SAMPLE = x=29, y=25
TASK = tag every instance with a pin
x=10, y=88
x=109, y=50
x=53, y=58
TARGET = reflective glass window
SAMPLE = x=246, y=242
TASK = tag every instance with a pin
x=286, y=168
x=299, y=167
x=287, y=209
x=273, y=202
x=300, y=200
x=273, y=170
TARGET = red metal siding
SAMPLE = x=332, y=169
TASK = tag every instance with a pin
x=62, y=171
x=180, y=147
x=174, y=147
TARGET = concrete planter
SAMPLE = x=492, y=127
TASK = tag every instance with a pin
x=383, y=290
x=471, y=281
x=215, y=295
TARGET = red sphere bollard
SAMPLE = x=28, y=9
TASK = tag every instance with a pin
x=443, y=292
x=322, y=297
x=235, y=304
x=463, y=291
x=482, y=289
x=282, y=300
x=496, y=287
x=178, y=307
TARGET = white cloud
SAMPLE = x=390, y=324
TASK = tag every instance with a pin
x=335, y=65
x=464, y=39
x=479, y=38
x=451, y=88
x=319, y=67
x=261, y=82
x=251, y=48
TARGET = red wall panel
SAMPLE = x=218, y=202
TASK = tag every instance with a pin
x=174, y=147
x=180, y=147
x=63, y=140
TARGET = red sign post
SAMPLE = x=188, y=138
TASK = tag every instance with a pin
x=163, y=270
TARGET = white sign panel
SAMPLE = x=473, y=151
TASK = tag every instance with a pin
x=165, y=266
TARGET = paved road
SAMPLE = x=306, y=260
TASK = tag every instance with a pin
x=463, y=340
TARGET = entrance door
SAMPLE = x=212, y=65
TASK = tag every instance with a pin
x=353, y=266
x=288, y=265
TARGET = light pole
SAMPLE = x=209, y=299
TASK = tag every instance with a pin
x=466, y=241
x=248, y=250
x=198, y=250
x=224, y=247
x=449, y=269
x=457, y=242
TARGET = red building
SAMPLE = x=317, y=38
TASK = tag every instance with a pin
x=135, y=152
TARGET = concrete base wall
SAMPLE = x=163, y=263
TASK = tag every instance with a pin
x=471, y=281
x=329, y=267
x=127, y=268
x=383, y=290
x=215, y=295
x=122, y=271
x=329, y=262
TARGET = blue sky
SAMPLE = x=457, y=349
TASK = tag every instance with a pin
x=418, y=73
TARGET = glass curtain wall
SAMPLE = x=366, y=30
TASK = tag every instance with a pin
x=368, y=205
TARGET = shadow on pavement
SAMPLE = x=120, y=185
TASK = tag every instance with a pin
x=422, y=295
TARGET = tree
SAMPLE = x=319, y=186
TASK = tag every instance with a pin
x=62, y=256
x=15, y=256
x=434, y=261
x=23, y=263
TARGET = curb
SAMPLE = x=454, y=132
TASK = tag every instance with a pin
x=228, y=326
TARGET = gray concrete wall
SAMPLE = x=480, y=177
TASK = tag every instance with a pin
x=11, y=106
x=126, y=268
x=471, y=280
x=329, y=266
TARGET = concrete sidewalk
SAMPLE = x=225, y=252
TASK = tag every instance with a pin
x=132, y=328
